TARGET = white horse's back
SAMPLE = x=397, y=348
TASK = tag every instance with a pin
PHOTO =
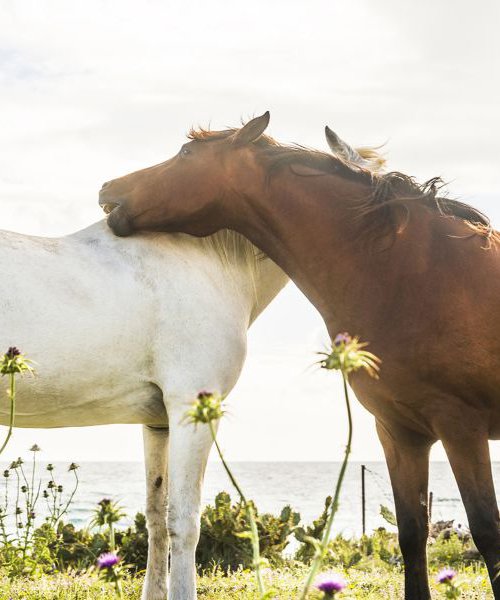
x=107, y=321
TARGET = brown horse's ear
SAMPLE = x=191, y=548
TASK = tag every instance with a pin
x=338, y=146
x=252, y=130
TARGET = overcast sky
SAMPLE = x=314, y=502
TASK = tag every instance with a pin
x=90, y=91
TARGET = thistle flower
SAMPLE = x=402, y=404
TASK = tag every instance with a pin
x=207, y=408
x=452, y=588
x=445, y=575
x=342, y=338
x=107, y=513
x=50, y=467
x=347, y=355
x=108, y=560
x=35, y=448
x=73, y=467
x=32, y=515
x=18, y=511
x=110, y=572
x=6, y=473
x=13, y=362
x=24, y=489
x=60, y=489
x=330, y=584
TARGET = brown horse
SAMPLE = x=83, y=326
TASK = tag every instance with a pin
x=416, y=275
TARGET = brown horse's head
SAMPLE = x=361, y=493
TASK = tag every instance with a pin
x=187, y=192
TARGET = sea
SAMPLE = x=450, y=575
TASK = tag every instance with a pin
x=272, y=485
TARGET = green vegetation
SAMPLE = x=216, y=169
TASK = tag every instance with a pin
x=373, y=584
x=66, y=556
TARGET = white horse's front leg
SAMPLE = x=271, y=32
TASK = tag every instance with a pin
x=156, y=454
x=189, y=447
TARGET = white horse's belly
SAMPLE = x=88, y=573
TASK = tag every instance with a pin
x=88, y=394
x=41, y=402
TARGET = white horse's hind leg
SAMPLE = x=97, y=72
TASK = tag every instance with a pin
x=156, y=454
x=189, y=447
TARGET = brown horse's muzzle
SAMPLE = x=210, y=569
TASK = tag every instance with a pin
x=118, y=220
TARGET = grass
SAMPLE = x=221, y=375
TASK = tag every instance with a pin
x=368, y=584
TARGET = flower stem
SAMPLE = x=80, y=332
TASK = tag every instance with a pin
x=118, y=587
x=254, y=534
x=321, y=553
x=12, y=394
x=31, y=493
x=111, y=537
x=70, y=500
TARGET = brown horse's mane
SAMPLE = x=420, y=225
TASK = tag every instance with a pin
x=388, y=190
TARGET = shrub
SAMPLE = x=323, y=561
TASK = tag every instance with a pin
x=450, y=549
x=306, y=550
x=133, y=543
x=224, y=541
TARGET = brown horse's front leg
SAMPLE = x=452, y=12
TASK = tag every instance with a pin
x=407, y=456
x=466, y=445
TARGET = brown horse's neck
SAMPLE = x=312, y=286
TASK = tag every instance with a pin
x=310, y=227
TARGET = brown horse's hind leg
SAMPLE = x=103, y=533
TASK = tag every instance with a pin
x=469, y=456
x=407, y=456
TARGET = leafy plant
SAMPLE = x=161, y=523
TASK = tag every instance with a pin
x=449, y=550
x=388, y=515
x=27, y=548
x=306, y=551
x=223, y=538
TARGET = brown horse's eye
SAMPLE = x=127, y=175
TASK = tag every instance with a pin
x=185, y=151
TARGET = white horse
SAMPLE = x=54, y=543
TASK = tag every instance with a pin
x=129, y=331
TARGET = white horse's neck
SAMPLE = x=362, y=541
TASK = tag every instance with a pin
x=260, y=282
x=270, y=280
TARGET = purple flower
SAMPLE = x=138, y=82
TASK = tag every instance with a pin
x=445, y=575
x=330, y=583
x=107, y=560
x=342, y=338
x=12, y=352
